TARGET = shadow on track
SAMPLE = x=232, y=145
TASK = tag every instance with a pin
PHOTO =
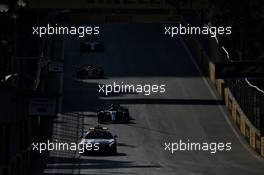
x=73, y=163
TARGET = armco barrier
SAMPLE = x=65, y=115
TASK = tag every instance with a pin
x=251, y=134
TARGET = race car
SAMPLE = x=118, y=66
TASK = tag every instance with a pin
x=92, y=45
x=99, y=140
x=89, y=72
x=115, y=114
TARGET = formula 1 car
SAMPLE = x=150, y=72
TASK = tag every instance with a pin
x=92, y=45
x=89, y=72
x=115, y=114
x=101, y=139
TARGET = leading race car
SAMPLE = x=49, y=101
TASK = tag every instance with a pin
x=114, y=114
x=92, y=45
x=89, y=72
x=99, y=140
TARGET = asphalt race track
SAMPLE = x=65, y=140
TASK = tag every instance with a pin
x=141, y=54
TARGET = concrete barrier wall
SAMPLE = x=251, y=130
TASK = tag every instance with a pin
x=212, y=72
x=247, y=130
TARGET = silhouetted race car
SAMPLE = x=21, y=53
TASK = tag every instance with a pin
x=115, y=114
x=89, y=72
x=92, y=45
x=101, y=139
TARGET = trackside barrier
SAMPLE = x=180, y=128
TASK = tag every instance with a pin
x=240, y=120
x=219, y=87
x=212, y=72
x=231, y=104
x=238, y=117
x=250, y=133
x=258, y=142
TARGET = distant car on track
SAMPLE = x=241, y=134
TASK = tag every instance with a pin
x=114, y=114
x=107, y=143
x=92, y=45
x=89, y=72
